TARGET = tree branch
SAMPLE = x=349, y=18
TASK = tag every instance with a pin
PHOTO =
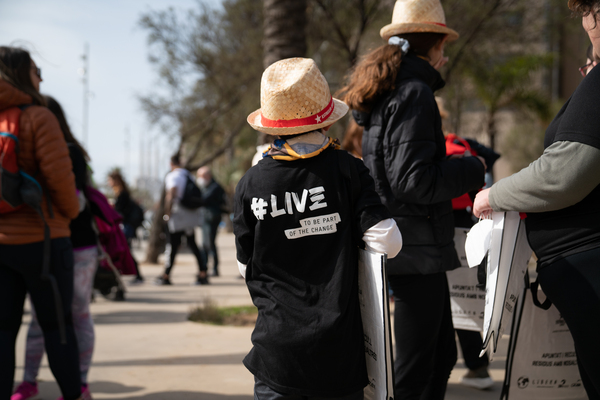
x=227, y=143
x=470, y=38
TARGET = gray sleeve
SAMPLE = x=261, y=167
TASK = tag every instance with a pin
x=561, y=177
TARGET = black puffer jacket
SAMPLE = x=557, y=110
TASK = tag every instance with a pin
x=404, y=148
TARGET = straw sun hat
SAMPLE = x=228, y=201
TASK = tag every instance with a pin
x=295, y=98
x=413, y=16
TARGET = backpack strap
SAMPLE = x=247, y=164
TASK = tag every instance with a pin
x=534, y=294
x=23, y=107
x=46, y=275
x=32, y=198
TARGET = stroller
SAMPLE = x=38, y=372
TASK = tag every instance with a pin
x=115, y=257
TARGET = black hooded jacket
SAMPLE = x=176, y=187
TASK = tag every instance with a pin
x=405, y=151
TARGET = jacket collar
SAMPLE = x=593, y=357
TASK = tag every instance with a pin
x=10, y=96
x=415, y=67
x=304, y=146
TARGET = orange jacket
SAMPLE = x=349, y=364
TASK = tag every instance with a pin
x=43, y=154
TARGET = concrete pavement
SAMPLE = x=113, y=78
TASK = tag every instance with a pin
x=147, y=350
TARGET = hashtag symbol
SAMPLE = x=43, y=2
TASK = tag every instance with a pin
x=259, y=208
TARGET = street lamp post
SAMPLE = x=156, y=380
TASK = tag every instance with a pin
x=84, y=72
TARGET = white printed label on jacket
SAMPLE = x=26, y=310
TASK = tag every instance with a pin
x=291, y=201
x=320, y=225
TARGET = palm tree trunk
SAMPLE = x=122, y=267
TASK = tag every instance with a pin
x=491, y=130
x=157, y=239
x=284, y=30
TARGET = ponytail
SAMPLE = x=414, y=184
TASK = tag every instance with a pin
x=376, y=73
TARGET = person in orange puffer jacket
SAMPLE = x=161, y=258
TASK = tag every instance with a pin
x=44, y=155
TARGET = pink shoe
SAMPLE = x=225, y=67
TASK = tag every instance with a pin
x=85, y=393
x=25, y=390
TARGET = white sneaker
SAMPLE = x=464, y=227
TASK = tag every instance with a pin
x=478, y=379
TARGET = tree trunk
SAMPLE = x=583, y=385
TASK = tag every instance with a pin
x=491, y=129
x=157, y=239
x=285, y=24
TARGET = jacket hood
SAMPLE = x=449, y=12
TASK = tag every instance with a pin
x=412, y=67
x=361, y=117
x=415, y=67
x=10, y=96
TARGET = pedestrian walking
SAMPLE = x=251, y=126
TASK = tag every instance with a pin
x=37, y=256
x=299, y=216
x=560, y=192
x=391, y=92
x=181, y=221
x=132, y=214
x=213, y=199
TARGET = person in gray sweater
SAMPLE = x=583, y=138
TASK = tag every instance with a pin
x=560, y=192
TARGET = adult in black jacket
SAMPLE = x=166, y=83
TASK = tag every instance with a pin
x=213, y=197
x=392, y=94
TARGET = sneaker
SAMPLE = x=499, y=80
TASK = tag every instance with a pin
x=477, y=378
x=25, y=390
x=137, y=280
x=161, y=280
x=85, y=393
x=202, y=281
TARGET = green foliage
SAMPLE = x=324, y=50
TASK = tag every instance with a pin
x=508, y=82
x=209, y=312
x=523, y=144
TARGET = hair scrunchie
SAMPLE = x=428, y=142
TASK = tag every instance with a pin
x=400, y=42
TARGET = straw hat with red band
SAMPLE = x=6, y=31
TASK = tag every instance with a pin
x=414, y=16
x=295, y=98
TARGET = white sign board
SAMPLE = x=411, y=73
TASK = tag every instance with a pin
x=508, y=259
x=375, y=313
x=466, y=299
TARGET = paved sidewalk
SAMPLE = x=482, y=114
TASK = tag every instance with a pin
x=147, y=350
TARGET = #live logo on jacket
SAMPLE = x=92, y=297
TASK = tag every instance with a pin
x=293, y=202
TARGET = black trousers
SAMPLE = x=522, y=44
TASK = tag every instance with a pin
x=471, y=344
x=20, y=272
x=425, y=343
x=210, y=225
x=573, y=285
x=175, y=242
x=263, y=392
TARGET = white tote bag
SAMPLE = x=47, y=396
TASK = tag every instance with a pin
x=466, y=299
x=541, y=362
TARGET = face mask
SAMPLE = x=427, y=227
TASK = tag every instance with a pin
x=203, y=183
